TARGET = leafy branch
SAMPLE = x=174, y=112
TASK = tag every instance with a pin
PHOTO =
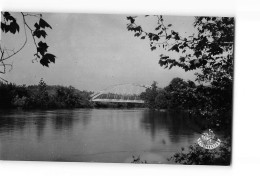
x=38, y=33
x=211, y=50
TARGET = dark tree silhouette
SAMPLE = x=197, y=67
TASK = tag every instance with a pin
x=211, y=50
x=37, y=32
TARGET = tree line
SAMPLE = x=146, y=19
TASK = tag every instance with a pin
x=42, y=96
x=209, y=102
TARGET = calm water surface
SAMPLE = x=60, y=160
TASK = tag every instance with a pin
x=94, y=135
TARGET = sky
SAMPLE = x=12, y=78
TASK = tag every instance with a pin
x=94, y=51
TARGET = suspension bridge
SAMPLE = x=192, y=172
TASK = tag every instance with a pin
x=121, y=93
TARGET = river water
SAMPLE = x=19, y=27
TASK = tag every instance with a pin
x=94, y=135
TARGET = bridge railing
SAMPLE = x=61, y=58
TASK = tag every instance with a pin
x=121, y=93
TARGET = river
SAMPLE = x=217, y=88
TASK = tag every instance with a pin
x=94, y=135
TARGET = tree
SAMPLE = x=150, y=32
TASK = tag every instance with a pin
x=162, y=99
x=42, y=96
x=176, y=83
x=68, y=97
x=181, y=94
x=37, y=32
x=149, y=95
x=211, y=50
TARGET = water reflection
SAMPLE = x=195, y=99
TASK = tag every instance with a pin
x=10, y=122
x=17, y=120
x=63, y=121
x=176, y=124
x=101, y=135
x=40, y=123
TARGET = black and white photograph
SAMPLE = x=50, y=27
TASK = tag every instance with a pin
x=116, y=88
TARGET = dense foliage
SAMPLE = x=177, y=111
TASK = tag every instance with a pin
x=42, y=96
x=197, y=155
x=208, y=102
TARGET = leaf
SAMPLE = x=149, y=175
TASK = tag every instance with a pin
x=177, y=36
x=153, y=36
x=171, y=66
x=14, y=27
x=160, y=33
x=153, y=48
x=136, y=29
x=137, y=34
x=44, y=24
x=3, y=27
x=169, y=25
x=132, y=20
x=164, y=57
x=39, y=33
x=186, y=68
x=36, y=25
x=182, y=59
x=175, y=48
x=6, y=14
x=162, y=62
x=158, y=27
x=51, y=57
x=42, y=47
x=156, y=37
x=8, y=17
x=45, y=62
x=169, y=37
x=173, y=32
x=47, y=58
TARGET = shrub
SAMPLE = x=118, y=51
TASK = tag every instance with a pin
x=197, y=155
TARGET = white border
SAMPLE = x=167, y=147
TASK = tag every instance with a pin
x=246, y=157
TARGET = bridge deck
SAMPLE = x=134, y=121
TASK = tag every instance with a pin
x=117, y=101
